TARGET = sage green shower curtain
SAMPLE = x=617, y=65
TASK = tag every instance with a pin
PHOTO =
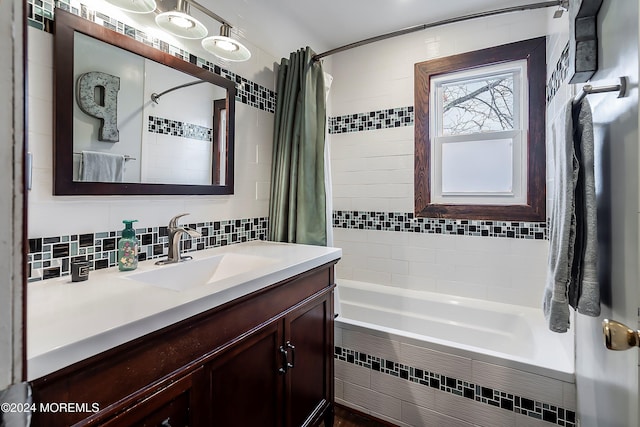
x=297, y=204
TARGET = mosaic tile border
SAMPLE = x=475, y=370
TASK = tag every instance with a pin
x=181, y=129
x=40, y=15
x=559, y=74
x=407, y=222
x=50, y=257
x=520, y=405
x=381, y=119
x=404, y=116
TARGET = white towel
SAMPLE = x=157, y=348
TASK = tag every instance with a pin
x=562, y=226
x=101, y=167
x=572, y=278
x=584, y=291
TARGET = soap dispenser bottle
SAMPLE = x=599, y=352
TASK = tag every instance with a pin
x=128, y=247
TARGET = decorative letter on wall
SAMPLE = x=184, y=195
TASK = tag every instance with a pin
x=97, y=95
x=583, y=39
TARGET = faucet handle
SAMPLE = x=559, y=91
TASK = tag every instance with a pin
x=173, y=222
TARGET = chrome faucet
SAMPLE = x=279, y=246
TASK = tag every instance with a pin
x=175, y=233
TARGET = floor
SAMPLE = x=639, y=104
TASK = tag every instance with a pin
x=345, y=418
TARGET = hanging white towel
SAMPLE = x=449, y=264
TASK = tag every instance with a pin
x=572, y=273
x=584, y=289
x=562, y=226
x=101, y=167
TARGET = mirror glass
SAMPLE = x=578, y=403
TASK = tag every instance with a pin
x=131, y=119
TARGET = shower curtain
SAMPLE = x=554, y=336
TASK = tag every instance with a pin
x=297, y=206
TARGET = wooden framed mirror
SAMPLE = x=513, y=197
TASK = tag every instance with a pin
x=133, y=120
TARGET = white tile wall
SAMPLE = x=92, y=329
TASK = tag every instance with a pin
x=524, y=421
x=418, y=416
x=499, y=269
x=381, y=347
x=352, y=374
x=402, y=389
x=373, y=171
x=435, y=361
x=373, y=401
x=472, y=411
x=54, y=216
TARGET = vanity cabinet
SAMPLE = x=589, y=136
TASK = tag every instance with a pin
x=263, y=359
x=279, y=376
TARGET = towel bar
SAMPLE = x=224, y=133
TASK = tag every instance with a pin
x=126, y=156
x=588, y=89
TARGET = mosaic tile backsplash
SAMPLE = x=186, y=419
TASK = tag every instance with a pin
x=40, y=14
x=51, y=257
x=381, y=119
x=559, y=74
x=552, y=414
x=407, y=222
x=181, y=129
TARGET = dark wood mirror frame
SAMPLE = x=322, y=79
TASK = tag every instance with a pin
x=66, y=25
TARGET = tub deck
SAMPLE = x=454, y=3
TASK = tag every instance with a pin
x=503, y=334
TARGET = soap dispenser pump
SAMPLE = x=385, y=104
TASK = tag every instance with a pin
x=128, y=247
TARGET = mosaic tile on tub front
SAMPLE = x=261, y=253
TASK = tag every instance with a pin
x=484, y=398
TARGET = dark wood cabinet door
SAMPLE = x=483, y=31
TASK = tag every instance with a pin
x=176, y=405
x=308, y=338
x=246, y=385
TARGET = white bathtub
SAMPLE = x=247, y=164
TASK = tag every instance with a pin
x=484, y=345
x=509, y=335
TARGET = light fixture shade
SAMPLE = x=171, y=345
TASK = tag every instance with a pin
x=225, y=47
x=179, y=23
x=134, y=6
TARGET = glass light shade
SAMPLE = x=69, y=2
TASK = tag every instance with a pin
x=134, y=6
x=181, y=24
x=226, y=48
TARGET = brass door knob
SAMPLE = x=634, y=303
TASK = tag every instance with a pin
x=618, y=336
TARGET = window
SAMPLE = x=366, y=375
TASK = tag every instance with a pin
x=480, y=134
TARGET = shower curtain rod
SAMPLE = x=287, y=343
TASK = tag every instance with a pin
x=156, y=96
x=559, y=3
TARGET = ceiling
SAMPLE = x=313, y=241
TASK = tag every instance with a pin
x=282, y=26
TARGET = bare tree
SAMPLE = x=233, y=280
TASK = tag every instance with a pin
x=482, y=106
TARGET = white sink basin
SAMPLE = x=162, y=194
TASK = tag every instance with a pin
x=198, y=272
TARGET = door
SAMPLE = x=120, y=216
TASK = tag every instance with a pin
x=309, y=378
x=246, y=385
x=13, y=200
x=607, y=381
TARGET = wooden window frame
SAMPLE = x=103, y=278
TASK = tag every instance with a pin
x=534, y=52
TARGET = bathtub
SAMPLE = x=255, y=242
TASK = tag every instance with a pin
x=485, y=355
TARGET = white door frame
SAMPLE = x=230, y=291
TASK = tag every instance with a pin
x=12, y=193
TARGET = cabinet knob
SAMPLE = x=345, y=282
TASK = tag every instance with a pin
x=165, y=423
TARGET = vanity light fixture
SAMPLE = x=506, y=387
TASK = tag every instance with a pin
x=134, y=6
x=179, y=23
x=225, y=47
x=175, y=19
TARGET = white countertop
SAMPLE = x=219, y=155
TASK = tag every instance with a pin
x=70, y=321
